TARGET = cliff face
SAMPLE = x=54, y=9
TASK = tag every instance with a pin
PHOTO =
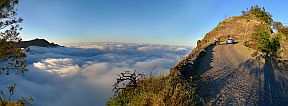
x=35, y=42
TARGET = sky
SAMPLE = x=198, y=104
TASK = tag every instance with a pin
x=171, y=22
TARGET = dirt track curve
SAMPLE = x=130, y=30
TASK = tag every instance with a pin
x=229, y=75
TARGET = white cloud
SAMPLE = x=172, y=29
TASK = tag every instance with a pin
x=83, y=74
x=62, y=67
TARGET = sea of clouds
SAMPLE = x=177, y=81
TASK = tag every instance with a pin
x=82, y=74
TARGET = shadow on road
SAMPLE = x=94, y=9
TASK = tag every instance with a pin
x=209, y=87
x=274, y=90
x=205, y=60
x=225, y=77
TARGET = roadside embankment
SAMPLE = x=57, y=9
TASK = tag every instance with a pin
x=186, y=67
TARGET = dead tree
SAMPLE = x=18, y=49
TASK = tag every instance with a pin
x=126, y=80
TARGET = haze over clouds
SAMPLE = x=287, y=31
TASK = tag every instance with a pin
x=83, y=74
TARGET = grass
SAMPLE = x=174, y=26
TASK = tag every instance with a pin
x=157, y=90
x=10, y=103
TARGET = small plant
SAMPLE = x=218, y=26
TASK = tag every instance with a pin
x=23, y=101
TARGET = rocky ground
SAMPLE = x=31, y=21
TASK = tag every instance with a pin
x=229, y=75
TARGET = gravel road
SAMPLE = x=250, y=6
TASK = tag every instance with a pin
x=229, y=75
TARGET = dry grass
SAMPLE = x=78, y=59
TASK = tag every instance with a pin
x=157, y=90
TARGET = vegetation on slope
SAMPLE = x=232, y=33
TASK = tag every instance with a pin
x=262, y=38
x=158, y=90
x=261, y=13
x=283, y=32
x=264, y=42
x=281, y=28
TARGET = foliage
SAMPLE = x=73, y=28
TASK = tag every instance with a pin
x=265, y=42
x=260, y=13
x=275, y=44
x=277, y=25
x=281, y=28
x=11, y=58
x=9, y=35
x=20, y=102
x=158, y=90
x=256, y=36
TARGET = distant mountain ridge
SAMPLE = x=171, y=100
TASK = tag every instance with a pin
x=36, y=42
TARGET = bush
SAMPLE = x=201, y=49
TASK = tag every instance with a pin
x=265, y=43
x=275, y=44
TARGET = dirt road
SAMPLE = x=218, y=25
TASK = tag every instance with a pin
x=229, y=75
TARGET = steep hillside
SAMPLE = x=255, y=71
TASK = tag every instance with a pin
x=238, y=27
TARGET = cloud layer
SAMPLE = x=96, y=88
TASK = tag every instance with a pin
x=83, y=74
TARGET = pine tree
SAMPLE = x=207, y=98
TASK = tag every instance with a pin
x=12, y=59
x=262, y=14
x=264, y=44
x=275, y=44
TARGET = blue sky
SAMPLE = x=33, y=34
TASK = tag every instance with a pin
x=173, y=22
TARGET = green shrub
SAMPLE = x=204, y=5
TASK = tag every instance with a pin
x=275, y=44
x=265, y=43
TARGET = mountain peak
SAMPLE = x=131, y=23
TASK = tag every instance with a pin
x=36, y=42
